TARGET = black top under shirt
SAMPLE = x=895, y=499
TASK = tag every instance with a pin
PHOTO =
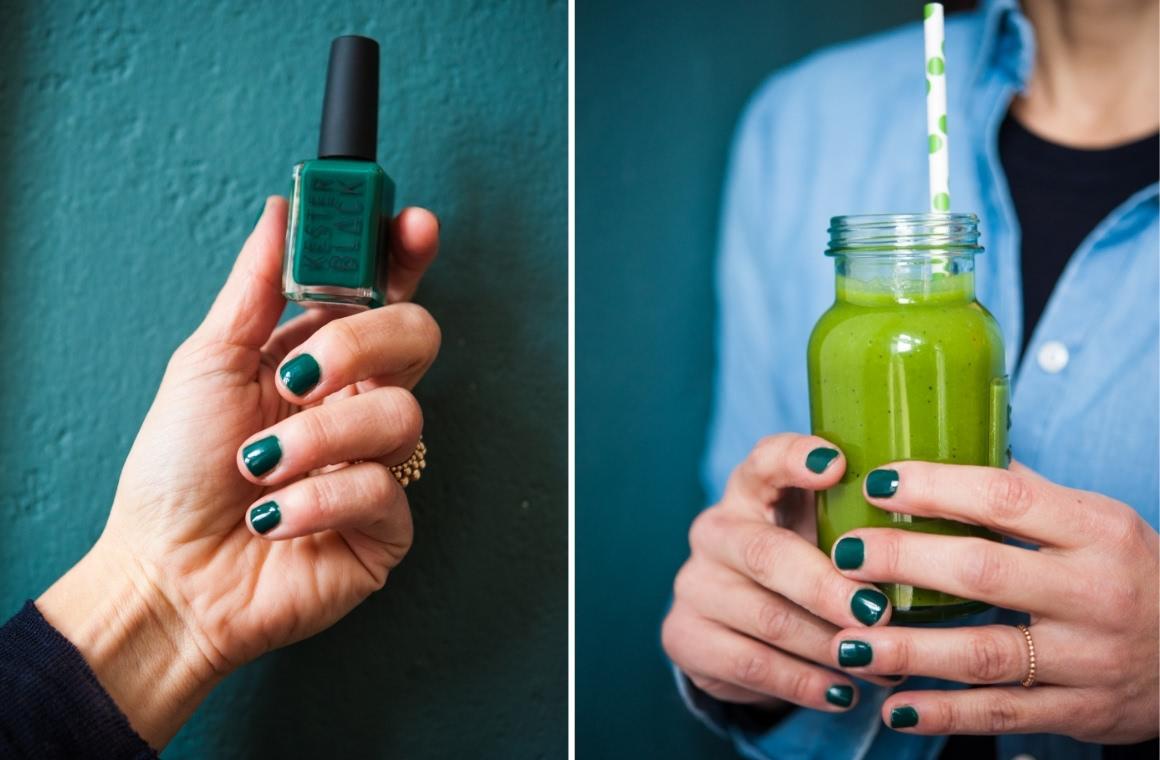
x=1060, y=195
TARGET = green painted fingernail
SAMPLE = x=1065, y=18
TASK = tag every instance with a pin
x=882, y=484
x=300, y=374
x=854, y=654
x=840, y=695
x=819, y=459
x=903, y=717
x=868, y=605
x=849, y=553
x=265, y=517
x=261, y=456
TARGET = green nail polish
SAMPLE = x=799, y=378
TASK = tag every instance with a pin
x=903, y=717
x=842, y=696
x=868, y=605
x=854, y=654
x=261, y=456
x=265, y=517
x=819, y=459
x=849, y=553
x=300, y=374
x=882, y=483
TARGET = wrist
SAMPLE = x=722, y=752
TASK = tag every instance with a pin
x=134, y=639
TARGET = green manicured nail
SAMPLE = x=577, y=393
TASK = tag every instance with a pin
x=842, y=696
x=868, y=605
x=300, y=374
x=882, y=484
x=819, y=459
x=849, y=553
x=854, y=654
x=265, y=517
x=262, y=455
x=903, y=717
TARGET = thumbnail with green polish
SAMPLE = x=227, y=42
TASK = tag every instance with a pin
x=300, y=374
x=903, y=717
x=882, y=484
x=868, y=606
x=849, y=553
x=819, y=459
x=262, y=455
x=854, y=654
x=842, y=696
x=265, y=517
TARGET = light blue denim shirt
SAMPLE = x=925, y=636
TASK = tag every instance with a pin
x=843, y=132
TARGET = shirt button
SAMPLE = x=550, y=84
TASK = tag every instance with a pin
x=1052, y=357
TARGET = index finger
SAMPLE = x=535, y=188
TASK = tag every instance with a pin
x=788, y=565
x=1013, y=503
x=414, y=245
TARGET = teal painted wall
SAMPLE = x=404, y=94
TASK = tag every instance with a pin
x=138, y=141
x=659, y=87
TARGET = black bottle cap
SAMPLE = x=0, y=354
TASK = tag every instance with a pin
x=350, y=110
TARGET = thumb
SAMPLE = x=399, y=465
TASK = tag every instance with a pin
x=247, y=309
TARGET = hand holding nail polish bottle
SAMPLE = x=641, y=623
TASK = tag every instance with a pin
x=342, y=202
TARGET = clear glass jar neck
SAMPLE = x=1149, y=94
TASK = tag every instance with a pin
x=923, y=259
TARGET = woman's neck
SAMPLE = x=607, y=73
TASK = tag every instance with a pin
x=1097, y=71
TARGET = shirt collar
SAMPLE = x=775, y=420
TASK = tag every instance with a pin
x=1008, y=43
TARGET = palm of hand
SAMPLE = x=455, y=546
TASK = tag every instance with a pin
x=242, y=595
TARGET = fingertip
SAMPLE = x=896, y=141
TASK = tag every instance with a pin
x=824, y=462
x=299, y=377
x=881, y=482
x=257, y=459
x=417, y=236
x=870, y=607
x=899, y=716
x=842, y=697
x=263, y=518
x=848, y=553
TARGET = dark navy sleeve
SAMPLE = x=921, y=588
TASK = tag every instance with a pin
x=51, y=704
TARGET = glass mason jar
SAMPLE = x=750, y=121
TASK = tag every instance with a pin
x=906, y=365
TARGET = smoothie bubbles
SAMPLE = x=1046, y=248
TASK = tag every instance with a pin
x=906, y=364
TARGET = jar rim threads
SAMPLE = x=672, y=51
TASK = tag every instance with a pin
x=900, y=234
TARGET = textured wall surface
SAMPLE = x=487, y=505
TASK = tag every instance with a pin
x=138, y=141
x=659, y=87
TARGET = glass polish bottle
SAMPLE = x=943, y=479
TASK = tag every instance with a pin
x=342, y=202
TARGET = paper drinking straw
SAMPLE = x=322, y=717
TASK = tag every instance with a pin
x=936, y=106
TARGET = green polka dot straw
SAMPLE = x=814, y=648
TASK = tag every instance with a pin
x=936, y=106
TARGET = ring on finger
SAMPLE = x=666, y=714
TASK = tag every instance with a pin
x=412, y=469
x=1029, y=681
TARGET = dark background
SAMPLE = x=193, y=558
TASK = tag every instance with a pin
x=138, y=142
x=659, y=87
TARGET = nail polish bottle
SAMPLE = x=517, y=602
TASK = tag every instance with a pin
x=341, y=203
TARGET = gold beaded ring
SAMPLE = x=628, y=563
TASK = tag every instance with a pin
x=411, y=470
x=1029, y=681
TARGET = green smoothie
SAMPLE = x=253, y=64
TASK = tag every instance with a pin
x=906, y=365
